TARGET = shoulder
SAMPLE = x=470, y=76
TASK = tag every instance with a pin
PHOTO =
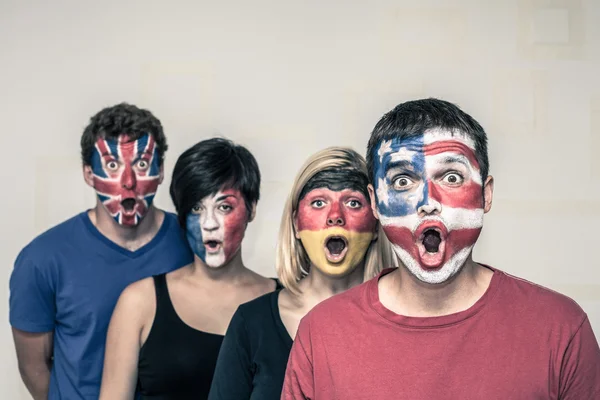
x=52, y=238
x=542, y=302
x=138, y=297
x=40, y=252
x=342, y=306
x=258, y=309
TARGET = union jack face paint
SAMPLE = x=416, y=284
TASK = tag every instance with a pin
x=126, y=175
x=216, y=227
x=430, y=201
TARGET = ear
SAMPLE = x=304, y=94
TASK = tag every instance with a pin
x=88, y=175
x=373, y=200
x=488, y=193
x=252, y=213
x=295, y=226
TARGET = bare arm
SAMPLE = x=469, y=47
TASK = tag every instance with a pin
x=123, y=341
x=34, y=355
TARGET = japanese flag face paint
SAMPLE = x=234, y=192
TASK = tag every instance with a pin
x=430, y=201
x=335, y=228
x=216, y=227
x=126, y=175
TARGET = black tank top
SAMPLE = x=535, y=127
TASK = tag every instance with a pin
x=176, y=361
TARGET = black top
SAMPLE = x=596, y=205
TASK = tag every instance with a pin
x=176, y=361
x=254, y=354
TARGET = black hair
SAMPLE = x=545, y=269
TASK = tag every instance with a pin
x=337, y=180
x=111, y=122
x=209, y=166
x=413, y=118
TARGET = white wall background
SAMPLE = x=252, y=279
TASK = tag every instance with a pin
x=287, y=78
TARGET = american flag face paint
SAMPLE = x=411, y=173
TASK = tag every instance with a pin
x=430, y=201
x=126, y=175
x=216, y=227
x=335, y=228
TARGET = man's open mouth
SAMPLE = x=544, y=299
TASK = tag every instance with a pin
x=128, y=205
x=213, y=246
x=431, y=240
x=432, y=245
x=336, y=248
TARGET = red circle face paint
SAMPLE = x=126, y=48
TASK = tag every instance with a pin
x=335, y=228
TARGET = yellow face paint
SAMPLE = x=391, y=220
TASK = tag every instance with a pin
x=357, y=245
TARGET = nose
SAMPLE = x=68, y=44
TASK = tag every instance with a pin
x=210, y=221
x=335, y=216
x=128, y=178
x=428, y=204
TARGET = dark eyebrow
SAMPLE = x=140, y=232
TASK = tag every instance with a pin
x=401, y=164
x=455, y=159
x=224, y=197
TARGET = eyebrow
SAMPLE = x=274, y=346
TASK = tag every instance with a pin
x=402, y=164
x=455, y=159
x=224, y=197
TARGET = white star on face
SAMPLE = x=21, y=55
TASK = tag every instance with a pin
x=384, y=148
x=403, y=154
x=382, y=193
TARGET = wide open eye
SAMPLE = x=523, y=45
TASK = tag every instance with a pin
x=354, y=203
x=402, y=182
x=112, y=165
x=453, y=179
x=143, y=164
x=318, y=203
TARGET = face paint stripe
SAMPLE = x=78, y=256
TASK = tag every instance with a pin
x=113, y=148
x=357, y=245
x=450, y=146
x=452, y=218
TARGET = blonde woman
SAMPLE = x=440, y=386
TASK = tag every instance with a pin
x=329, y=241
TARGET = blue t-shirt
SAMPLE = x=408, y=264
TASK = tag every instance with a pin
x=68, y=280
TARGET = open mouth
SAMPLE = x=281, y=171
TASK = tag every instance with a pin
x=336, y=248
x=213, y=246
x=432, y=247
x=128, y=205
x=431, y=240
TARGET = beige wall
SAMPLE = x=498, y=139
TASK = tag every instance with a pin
x=287, y=78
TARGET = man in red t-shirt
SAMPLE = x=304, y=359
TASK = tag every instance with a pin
x=440, y=326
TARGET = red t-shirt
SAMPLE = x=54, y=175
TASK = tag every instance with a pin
x=518, y=341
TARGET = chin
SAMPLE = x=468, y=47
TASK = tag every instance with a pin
x=336, y=271
x=434, y=276
x=215, y=261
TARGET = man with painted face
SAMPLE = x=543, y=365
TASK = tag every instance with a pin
x=441, y=326
x=66, y=282
x=166, y=331
x=329, y=241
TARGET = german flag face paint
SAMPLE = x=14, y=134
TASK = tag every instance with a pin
x=335, y=228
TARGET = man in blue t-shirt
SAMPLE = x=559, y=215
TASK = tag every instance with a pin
x=66, y=282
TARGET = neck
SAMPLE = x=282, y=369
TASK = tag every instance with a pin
x=317, y=286
x=410, y=297
x=233, y=271
x=130, y=237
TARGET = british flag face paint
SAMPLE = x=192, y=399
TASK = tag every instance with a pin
x=430, y=201
x=216, y=227
x=126, y=175
x=335, y=228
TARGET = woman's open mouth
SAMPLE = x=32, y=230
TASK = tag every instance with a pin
x=336, y=248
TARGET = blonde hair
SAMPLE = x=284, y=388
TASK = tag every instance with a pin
x=292, y=263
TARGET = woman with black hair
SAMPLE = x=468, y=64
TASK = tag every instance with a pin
x=166, y=331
